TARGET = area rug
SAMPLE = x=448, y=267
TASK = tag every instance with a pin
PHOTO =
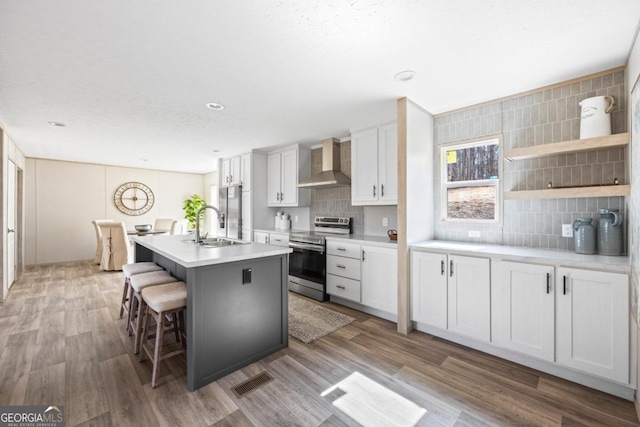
x=309, y=321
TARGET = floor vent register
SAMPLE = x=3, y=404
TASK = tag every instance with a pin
x=252, y=384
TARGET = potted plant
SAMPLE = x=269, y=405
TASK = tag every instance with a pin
x=190, y=207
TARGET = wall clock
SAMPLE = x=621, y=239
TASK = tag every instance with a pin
x=133, y=198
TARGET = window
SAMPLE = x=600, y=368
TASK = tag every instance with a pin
x=470, y=190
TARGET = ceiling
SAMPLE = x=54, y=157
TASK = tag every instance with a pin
x=130, y=79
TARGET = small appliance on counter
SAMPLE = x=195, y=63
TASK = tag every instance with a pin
x=584, y=236
x=610, y=232
x=282, y=221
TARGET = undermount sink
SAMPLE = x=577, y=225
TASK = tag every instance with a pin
x=217, y=242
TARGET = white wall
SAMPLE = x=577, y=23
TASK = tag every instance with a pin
x=64, y=197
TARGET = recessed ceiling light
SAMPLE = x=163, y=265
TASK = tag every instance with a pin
x=143, y=160
x=215, y=106
x=405, y=76
x=215, y=150
x=57, y=124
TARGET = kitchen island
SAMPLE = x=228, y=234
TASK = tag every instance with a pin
x=237, y=311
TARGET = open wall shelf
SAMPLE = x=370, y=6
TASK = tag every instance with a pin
x=576, y=146
x=566, y=147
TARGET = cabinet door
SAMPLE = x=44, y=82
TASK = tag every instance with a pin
x=388, y=164
x=429, y=288
x=245, y=171
x=593, y=322
x=379, y=278
x=524, y=302
x=246, y=210
x=234, y=171
x=469, y=293
x=273, y=179
x=364, y=167
x=226, y=172
x=289, y=183
x=261, y=237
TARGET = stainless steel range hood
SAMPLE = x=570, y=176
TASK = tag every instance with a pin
x=331, y=176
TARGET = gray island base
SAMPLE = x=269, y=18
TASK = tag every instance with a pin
x=237, y=301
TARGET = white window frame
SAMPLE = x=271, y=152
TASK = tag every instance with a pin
x=445, y=185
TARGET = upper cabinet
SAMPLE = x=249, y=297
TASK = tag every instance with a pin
x=604, y=189
x=285, y=168
x=230, y=172
x=374, y=166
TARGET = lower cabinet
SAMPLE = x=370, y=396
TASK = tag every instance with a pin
x=261, y=237
x=523, y=308
x=592, y=323
x=452, y=292
x=380, y=278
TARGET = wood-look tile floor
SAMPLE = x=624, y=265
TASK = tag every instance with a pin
x=62, y=343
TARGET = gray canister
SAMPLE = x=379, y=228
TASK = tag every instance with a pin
x=584, y=236
x=610, y=232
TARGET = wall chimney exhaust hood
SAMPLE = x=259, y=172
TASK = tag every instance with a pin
x=331, y=176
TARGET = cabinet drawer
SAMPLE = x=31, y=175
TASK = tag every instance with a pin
x=343, y=248
x=279, y=239
x=345, y=267
x=343, y=287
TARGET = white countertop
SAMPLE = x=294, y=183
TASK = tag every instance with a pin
x=190, y=255
x=619, y=264
x=362, y=238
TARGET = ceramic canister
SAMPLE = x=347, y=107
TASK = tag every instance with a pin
x=610, y=232
x=584, y=236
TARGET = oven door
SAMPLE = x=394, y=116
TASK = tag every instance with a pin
x=307, y=262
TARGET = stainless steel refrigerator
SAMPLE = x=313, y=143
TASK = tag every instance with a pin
x=230, y=203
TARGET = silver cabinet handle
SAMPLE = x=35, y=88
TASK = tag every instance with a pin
x=277, y=240
x=381, y=190
x=363, y=255
x=266, y=239
x=341, y=249
x=281, y=196
x=451, y=268
x=278, y=196
x=374, y=191
x=442, y=267
x=548, y=283
x=340, y=266
x=564, y=285
x=340, y=287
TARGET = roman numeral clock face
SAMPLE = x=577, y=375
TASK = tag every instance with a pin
x=133, y=198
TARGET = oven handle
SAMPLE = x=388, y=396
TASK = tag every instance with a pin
x=306, y=247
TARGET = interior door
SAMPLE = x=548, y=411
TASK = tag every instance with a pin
x=11, y=223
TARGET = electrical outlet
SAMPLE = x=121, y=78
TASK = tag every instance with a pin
x=295, y=218
x=474, y=233
x=385, y=222
x=567, y=230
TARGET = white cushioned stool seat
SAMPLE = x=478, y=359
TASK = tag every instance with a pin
x=131, y=270
x=139, y=282
x=139, y=268
x=166, y=297
x=153, y=278
x=166, y=305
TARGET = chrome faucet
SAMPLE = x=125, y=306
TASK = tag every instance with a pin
x=220, y=221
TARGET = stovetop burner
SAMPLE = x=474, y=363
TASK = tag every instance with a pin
x=322, y=226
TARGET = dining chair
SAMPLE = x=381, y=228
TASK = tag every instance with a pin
x=115, y=245
x=166, y=224
x=96, y=224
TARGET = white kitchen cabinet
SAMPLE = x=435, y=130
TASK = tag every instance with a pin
x=374, y=166
x=343, y=269
x=261, y=237
x=469, y=294
x=246, y=167
x=523, y=308
x=279, y=239
x=429, y=288
x=379, y=278
x=592, y=323
x=285, y=169
x=230, y=172
x=453, y=292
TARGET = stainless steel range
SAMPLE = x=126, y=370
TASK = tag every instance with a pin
x=307, y=263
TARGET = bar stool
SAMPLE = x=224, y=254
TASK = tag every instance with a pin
x=162, y=302
x=138, y=283
x=131, y=270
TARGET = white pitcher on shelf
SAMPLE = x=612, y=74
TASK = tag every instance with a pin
x=595, y=117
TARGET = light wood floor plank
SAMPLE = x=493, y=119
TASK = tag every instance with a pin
x=46, y=386
x=50, y=346
x=15, y=365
